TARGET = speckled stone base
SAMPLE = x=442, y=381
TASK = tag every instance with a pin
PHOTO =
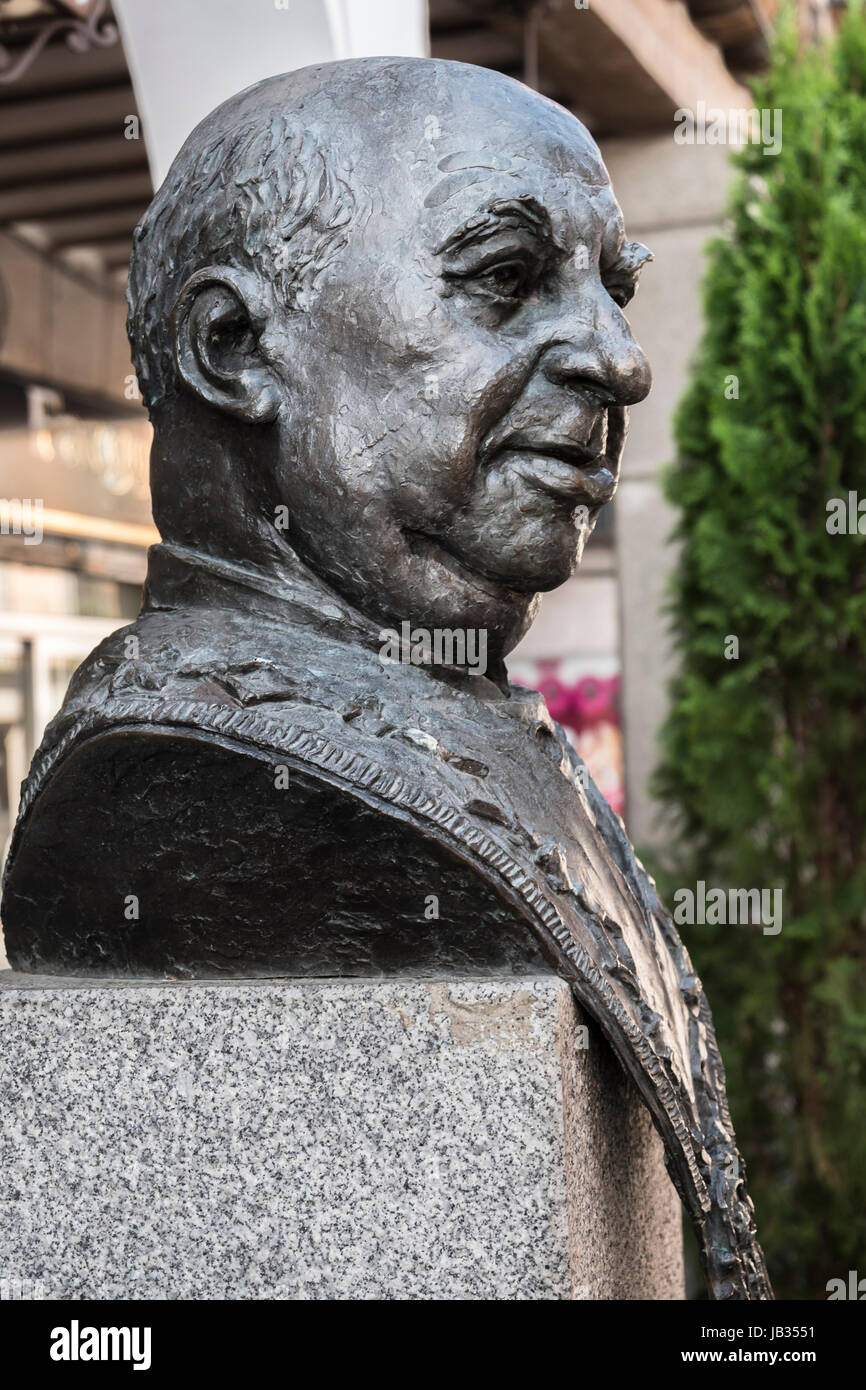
x=331, y=1140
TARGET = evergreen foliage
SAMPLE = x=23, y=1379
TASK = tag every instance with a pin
x=764, y=755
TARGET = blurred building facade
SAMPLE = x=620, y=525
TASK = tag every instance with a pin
x=75, y=176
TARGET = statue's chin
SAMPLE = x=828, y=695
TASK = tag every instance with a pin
x=533, y=573
x=533, y=558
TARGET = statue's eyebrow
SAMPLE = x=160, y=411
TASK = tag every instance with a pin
x=524, y=211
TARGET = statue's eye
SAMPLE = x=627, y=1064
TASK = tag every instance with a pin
x=621, y=290
x=508, y=275
x=507, y=280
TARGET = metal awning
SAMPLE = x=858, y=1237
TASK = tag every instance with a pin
x=74, y=174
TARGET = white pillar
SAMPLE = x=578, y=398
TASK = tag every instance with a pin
x=186, y=58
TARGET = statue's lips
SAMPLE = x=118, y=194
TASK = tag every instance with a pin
x=563, y=471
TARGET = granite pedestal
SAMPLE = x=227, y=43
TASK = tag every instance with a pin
x=411, y=1139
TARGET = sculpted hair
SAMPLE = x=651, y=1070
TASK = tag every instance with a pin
x=259, y=196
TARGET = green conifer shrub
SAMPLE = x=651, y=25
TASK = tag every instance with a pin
x=764, y=754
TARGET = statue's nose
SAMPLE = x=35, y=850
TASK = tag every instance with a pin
x=609, y=361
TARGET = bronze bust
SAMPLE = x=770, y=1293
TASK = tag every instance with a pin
x=376, y=311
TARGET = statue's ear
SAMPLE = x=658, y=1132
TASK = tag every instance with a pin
x=219, y=318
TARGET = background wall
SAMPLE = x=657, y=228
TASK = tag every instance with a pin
x=673, y=197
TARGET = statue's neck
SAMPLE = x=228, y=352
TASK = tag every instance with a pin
x=181, y=577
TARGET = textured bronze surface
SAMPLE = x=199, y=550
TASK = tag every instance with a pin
x=376, y=313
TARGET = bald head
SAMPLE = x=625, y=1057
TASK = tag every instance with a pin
x=272, y=179
x=385, y=298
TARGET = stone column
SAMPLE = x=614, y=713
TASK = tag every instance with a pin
x=356, y=1139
